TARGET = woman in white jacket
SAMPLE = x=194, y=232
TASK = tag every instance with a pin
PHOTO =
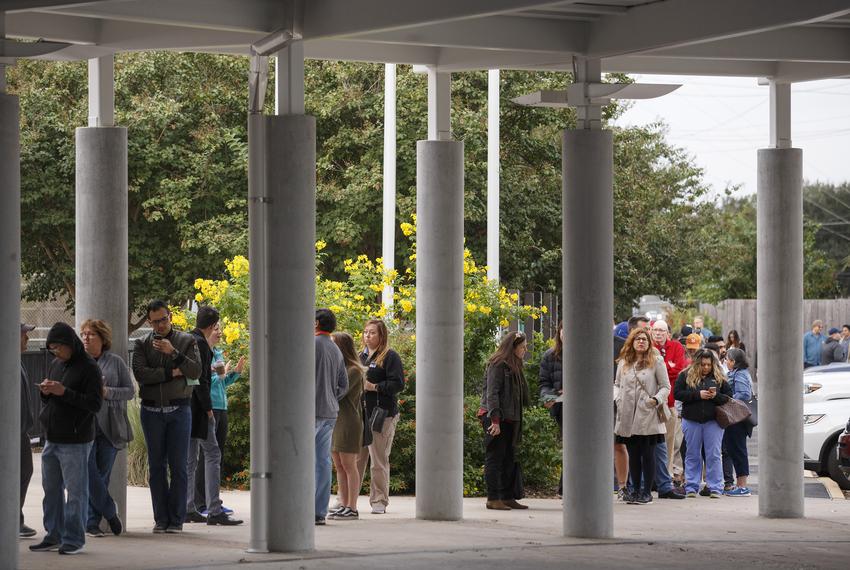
x=640, y=390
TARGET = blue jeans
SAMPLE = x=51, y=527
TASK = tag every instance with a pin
x=167, y=436
x=663, y=481
x=101, y=460
x=64, y=466
x=324, y=430
x=708, y=435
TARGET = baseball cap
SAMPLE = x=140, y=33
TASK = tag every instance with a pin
x=26, y=328
x=833, y=331
x=693, y=341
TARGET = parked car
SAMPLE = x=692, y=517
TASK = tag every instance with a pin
x=842, y=452
x=826, y=409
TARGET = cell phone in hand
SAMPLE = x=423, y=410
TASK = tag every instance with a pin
x=157, y=336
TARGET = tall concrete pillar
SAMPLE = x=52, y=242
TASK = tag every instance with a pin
x=588, y=311
x=290, y=179
x=439, y=330
x=10, y=316
x=780, y=308
x=101, y=252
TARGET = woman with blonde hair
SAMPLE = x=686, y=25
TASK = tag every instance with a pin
x=112, y=426
x=701, y=388
x=504, y=396
x=348, y=432
x=384, y=381
x=641, y=387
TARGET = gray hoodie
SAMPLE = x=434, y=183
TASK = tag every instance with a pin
x=331, y=377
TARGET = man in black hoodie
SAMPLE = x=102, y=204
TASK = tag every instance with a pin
x=71, y=396
x=203, y=428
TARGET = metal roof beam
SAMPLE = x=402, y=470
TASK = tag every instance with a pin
x=333, y=18
x=674, y=23
x=803, y=43
x=493, y=32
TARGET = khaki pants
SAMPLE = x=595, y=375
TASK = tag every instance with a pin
x=379, y=470
x=673, y=438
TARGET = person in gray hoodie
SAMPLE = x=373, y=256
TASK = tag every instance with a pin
x=832, y=350
x=331, y=386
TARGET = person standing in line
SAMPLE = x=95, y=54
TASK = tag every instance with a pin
x=832, y=351
x=845, y=341
x=384, y=382
x=71, y=395
x=331, y=386
x=733, y=340
x=348, y=431
x=207, y=333
x=640, y=388
x=701, y=329
x=621, y=454
x=26, y=423
x=220, y=379
x=166, y=364
x=550, y=380
x=112, y=426
x=673, y=356
x=505, y=394
x=701, y=388
x=735, y=436
x=812, y=343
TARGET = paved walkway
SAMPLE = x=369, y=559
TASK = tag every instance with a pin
x=695, y=533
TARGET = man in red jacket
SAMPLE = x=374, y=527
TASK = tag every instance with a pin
x=675, y=360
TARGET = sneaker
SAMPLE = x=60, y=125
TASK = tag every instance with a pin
x=174, y=529
x=115, y=525
x=715, y=495
x=222, y=519
x=347, y=515
x=671, y=494
x=333, y=512
x=644, y=499
x=739, y=492
x=337, y=506
x=632, y=498
x=194, y=517
x=728, y=487
x=160, y=528
x=26, y=532
x=44, y=546
x=70, y=549
x=622, y=494
x=94, y=532
x=705, y=492
x=320, y=521
x=691, y=495
x=379, y=509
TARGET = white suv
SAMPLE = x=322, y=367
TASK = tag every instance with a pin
x=826, y=408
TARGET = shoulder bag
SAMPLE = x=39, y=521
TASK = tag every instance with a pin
x=732, y=412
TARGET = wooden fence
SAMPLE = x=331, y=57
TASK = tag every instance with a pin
x=740, y=314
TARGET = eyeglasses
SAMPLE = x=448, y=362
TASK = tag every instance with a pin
x=87, y=334
x=161, y=321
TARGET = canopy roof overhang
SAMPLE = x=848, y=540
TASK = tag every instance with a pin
x=786, y=40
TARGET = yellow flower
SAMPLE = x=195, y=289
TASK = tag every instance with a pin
x=471, y=307
x=198, y=297
x=407, y=229
x=544, y=309
x=320, y=245
x=237, y=267
x=406, y=306
x=514, y=297
x=178, y=319
x=504, y=323
x=484, y=309
x=412, y=257
x=232, y=331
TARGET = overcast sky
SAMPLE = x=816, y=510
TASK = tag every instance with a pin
x=721, y=122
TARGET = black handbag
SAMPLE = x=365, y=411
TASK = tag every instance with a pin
x=376, y=420
x=753, y=404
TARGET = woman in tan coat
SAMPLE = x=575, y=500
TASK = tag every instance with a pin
x=640, y=390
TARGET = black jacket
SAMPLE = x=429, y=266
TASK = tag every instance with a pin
x=832, y=351
x=389, y=379
x=69, y=418
x=550, y=379
x=201, y=399
x=26, y=402
x=695, y=408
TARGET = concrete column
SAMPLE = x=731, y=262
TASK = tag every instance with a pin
x=439, y=330
x=290, y=174
x=101, y=251
x=10, y=316
x=780, y=308
x=588, y=311
x=388, y=245
x=493, y=175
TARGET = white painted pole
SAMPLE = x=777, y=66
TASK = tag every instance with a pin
x=493, y=175
x=388, y=248
x=439, y=105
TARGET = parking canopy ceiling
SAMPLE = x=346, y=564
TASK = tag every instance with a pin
x=788, y=40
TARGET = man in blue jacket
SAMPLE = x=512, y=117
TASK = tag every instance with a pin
x=812, y=343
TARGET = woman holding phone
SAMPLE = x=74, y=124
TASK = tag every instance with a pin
x=701, y=388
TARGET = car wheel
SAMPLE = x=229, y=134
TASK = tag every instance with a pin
x=835, y=471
